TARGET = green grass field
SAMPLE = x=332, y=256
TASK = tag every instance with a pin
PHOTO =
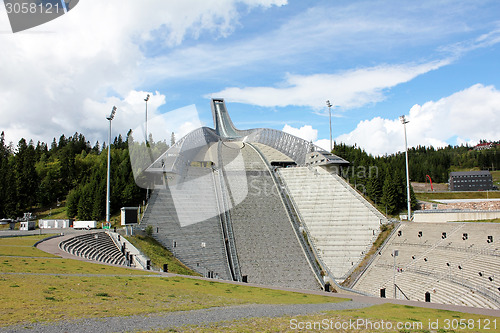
x=159, y=255
x=41, y=288
x=496, y=178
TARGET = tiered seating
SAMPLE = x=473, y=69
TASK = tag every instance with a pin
x=455, y=262
x=185, y=220
x=94, y=246
x=268, y=249
x=342, y=224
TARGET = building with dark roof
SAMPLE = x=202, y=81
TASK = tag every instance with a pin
x=471, y=181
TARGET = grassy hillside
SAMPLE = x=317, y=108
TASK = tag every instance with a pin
x=159, y=255
x=73, y=289
x=496, y=178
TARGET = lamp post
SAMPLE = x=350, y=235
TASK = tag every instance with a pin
x=110, y=118
x=404, y=122
x=330, y=113
x=146, y=133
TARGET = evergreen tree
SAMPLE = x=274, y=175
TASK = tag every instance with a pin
x=390, y=196
x=96, y=149
x=375, y=188
x=5, y=196
x=72, y=201
x=25, y=176
x=413, y=199
x=85, y=204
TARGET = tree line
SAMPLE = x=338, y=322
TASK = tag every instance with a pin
x=37, y=175
x=383, y=178
x=71, y=169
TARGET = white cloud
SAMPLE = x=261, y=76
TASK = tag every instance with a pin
x=464, y=117
x=323, y=143
x=348, y=89
x=65, y=75
x=306, y=132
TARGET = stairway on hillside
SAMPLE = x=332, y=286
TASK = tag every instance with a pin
x=268, y=250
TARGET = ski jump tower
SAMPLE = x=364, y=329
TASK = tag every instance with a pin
x=222, y=205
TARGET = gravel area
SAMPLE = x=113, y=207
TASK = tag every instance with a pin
x=177, y=319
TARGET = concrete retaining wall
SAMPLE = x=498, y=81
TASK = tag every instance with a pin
x=452, y=216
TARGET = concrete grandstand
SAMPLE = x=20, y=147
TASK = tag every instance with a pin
x=450, y=263
x=250, y=205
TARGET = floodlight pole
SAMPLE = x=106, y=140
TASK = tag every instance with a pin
x=330, y=113
x=147, y=137
x=146, y=133
x=404, y=122
x=108, y=214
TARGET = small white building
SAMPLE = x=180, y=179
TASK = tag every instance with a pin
x=27, y=225
x=84, y=224
x=54, y=224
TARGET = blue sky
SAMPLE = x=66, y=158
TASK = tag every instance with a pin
x=275, y=62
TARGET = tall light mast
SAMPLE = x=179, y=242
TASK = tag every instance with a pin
x=404, y=122
x=330, y=113
x=108, y=213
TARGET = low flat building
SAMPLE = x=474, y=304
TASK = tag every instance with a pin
x=471, y=181
x=327, y=160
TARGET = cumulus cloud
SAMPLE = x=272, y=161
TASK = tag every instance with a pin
x=323, y=143
x=308, y=133
x=64, y=76
x=305, y=132
x=349, y=89
x=464, y=117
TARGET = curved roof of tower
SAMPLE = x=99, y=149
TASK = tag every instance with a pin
x=189, y=148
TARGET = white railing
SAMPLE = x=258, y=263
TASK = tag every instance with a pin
x=138, y=257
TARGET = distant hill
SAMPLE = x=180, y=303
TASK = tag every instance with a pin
x=383, y=178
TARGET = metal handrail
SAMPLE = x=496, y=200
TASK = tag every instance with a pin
x=401, y=291
x=222, y=225
x=140, y=258
x=227, y=224
x=145, y=208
